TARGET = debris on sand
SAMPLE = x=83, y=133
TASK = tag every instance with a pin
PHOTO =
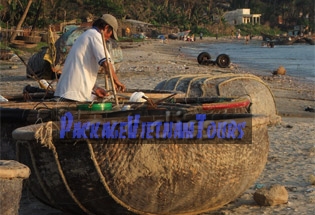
x=275, y=195
x=280, y=71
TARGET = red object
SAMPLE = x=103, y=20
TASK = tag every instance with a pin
x=226, y=105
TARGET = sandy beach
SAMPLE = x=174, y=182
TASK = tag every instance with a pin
x=291, y=158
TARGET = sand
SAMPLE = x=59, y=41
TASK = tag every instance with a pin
x=291, y=159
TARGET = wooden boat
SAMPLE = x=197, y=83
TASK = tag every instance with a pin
x=158, y=175
x=286, y=40
x=280, y=40
x=305, y=39
x=309, y=40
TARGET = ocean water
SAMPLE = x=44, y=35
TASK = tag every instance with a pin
x=298, y=59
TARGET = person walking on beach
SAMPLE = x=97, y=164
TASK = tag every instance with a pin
x=79, y=75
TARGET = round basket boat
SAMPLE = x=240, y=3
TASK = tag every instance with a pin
x=32, y=39
x=20, y=44
x=12, y=174
x=227, y=85
x=141, y=174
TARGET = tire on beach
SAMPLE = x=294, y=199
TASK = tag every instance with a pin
x=203, y=58
x=223, y=61
x=226, y=85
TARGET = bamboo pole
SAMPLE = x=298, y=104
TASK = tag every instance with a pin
x=110, y=73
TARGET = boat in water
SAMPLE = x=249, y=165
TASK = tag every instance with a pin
x=286, y=40
x=279, y=40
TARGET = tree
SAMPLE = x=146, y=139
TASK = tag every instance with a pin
x=19, y=25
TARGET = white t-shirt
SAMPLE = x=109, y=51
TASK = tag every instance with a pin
x=80, y=70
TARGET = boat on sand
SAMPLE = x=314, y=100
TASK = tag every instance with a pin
x=187, y=155
x=170, y=174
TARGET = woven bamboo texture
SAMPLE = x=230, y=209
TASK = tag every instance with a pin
x=144, y=176
x=227, y=85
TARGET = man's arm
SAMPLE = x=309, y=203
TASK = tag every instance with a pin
x=118, y=84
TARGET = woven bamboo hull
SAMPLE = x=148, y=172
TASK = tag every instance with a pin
x=144, y=176
x=229, y=85
x=12, y=174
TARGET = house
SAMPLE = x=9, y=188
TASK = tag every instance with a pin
x=241, y=16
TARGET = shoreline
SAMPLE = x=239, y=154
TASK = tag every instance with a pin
x=291, y=158
x=141, y=60
x=255, y=42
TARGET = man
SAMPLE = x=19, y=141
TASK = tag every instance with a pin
x=79, y=74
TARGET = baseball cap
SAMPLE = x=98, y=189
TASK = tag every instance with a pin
x=112, y=21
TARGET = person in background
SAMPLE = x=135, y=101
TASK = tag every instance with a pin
x=78, y=79
x=246, y=39
x=128, y=32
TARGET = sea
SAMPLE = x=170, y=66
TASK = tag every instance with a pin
x=298, y=59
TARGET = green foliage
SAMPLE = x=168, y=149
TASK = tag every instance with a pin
x=194, y=15
x=256, y=30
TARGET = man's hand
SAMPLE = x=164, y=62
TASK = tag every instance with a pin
x=100, y=92
x=120, y=87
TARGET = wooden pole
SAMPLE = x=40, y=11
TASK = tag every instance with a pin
x=110, y=73
x=19, y=25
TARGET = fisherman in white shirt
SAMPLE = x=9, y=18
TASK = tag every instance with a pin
x=79, y=74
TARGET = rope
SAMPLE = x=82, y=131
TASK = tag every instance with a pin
x=103, y=180
x=47, y=141
x=39, y=179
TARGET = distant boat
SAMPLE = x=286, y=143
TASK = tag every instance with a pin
x=287, y=40
x=279, y=40
x=306, y=40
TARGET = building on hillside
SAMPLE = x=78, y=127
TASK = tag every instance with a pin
x=242, y=16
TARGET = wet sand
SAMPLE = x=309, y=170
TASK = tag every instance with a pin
x=291, y=159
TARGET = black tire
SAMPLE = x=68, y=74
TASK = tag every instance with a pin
x=223, y=60
x=203, y=58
